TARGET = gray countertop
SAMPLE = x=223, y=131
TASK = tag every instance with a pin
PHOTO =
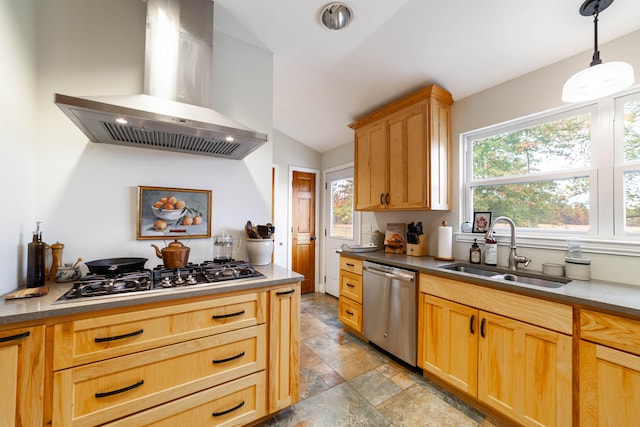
x=37, y=308
x=615, y=297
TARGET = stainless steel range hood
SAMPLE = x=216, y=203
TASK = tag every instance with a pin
x=173, y=114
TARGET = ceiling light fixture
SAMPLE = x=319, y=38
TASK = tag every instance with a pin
x=336, y=16
x=599, y=79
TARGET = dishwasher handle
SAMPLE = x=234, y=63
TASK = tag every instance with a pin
x=380, y=270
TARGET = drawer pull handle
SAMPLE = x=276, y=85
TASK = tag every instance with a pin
x=219, y=414
x=226, y=316
x=350, y=265
x=119, y=337
x=482, y=324
x=15, y=337
x=350, y=285
x=229, y=359
x=382, y=198
x=471, y=323
x=121, y=390
x=285, y=292
x=350, y=313
x=386, y=199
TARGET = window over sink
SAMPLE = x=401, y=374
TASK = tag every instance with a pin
x=573, y=171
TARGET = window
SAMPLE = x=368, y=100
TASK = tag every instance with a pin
x=572, y=171
x=628, y=163
x=342, y=208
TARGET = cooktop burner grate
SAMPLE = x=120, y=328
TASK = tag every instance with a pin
x=159, y=278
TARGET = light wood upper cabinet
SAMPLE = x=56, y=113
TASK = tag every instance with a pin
x=609, y=370
x=402, y=154
x=22, y=373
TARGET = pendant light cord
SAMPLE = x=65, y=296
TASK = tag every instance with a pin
x=596, y=53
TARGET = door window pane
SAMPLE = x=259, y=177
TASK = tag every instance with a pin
x=342, y=208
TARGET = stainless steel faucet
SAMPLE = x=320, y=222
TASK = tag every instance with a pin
x=514, y=258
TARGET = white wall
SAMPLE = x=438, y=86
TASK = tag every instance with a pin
x=18, y=143
x=86, y=193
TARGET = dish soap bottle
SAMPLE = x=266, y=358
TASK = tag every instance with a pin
x=490, y=250
x=475, y=253
x=36, y=259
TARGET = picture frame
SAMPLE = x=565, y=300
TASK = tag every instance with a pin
x=481, y=222
x=166, y=212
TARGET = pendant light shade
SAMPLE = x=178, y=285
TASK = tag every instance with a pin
x=599, y=79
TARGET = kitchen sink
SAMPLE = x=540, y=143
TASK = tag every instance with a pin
x=507, y=275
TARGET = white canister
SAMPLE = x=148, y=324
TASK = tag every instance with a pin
x=259, y=251
x=577, y=268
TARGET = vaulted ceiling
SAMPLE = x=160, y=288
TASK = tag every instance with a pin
x=324, y=80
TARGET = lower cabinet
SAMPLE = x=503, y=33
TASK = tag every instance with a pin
x=284, y=347
x=22, y=353
x=609, y=370
x=472, y=338
x=351, y=288
x=218, y=361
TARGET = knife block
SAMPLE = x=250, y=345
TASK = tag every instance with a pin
x=418, y=249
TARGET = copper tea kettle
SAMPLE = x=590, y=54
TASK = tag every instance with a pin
x=174, y=255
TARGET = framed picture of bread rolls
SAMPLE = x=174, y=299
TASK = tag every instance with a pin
x=395, y=238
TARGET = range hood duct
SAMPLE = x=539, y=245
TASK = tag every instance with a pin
x=174, y=114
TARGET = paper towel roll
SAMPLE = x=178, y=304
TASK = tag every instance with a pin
x=444, y=242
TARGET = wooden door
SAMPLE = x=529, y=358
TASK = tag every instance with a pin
x=408, y=171
x=448, y=341
x=371, y=167
x=22, y=373
x=524, y=371
x=609, y=384
x=303, y=243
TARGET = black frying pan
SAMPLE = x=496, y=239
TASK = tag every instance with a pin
x=115, y=265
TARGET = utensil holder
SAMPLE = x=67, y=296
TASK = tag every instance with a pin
x=418, y=249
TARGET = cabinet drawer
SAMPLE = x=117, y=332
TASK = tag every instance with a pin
x=89, y=340
x=351, y=264
x=610, y=330
x=103, y=391
x=235, y=403
x=350, y=313
x=351, y=286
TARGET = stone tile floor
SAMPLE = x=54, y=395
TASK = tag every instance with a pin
x=346, y=382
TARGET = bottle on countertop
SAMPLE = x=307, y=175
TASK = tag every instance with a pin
x=475, y=255
x=490, y=250
x=36, y=260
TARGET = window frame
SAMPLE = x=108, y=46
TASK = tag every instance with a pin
x=606, y=196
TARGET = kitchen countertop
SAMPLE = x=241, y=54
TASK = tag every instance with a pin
x=614, y=297
x=36, y=308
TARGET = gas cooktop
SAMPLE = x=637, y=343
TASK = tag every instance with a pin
x=209, y=272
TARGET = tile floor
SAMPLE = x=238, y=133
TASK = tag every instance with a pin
x=345, y=382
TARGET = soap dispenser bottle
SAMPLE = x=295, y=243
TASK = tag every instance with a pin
x=475, y=255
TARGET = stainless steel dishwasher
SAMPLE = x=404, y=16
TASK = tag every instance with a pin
x=389, y=309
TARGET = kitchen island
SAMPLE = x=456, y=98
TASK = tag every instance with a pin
x=528, y=355
x=227, y=352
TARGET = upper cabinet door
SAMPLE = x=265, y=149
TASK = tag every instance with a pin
x=402, y=154
x=371, y=167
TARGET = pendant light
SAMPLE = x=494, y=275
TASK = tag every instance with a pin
x=599, y=79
